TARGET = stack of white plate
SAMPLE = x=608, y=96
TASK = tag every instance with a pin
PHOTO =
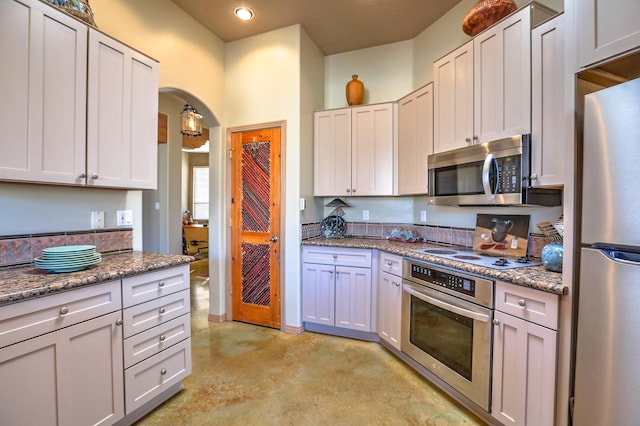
x=67, y=258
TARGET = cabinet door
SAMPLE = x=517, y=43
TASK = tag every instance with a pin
x=549, y=141
x=502, y=79
x=28, y=375
x=353, y=298
x=453, y=99
x=415, y=140
x=122, y=116
x=91, y=379
x=318, y=293
x=389, y=308
x=372, y=149
x=332, y=152
x=43, y=86
x=524, y=372
x=606, y=29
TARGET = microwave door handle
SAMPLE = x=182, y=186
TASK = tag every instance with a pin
x=486, y=169
x=444, y=305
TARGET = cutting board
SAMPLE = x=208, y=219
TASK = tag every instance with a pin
x=502, y=235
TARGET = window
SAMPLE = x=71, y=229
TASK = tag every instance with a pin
x=201, y=193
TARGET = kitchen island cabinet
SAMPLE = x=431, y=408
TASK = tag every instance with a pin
x=337, y=289
x=606, y=29
x=354, y=150
x=74, y=373
x=524, y=356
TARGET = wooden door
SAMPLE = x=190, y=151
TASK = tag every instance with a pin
x=255, y=233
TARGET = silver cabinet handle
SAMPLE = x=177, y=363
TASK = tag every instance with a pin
x=396, y=284
x=335, y=256
x=389, y=264
x=348, y=190
x=496, y=321
x=353, y=190
x=337, y=272
x=331, y=272
x=534, y=176
x=476, y=139
x=94, y=176
x=64, y=310
x=467, y=140
x=162, y=311
x=162, y=337
x=161, y=284
x=522, y=303
x=163, y=371
x=82, y=175
x=119, y=322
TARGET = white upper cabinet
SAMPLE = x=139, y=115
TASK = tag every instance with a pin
x=549, y=139
x=122, y=115
x=482, y=90
x=354, y=151
x=43, y=86
x=453, y=99
x=606, y=29
x=415, y=140
x=502, y=79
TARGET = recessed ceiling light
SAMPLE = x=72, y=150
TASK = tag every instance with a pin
x=244, y=13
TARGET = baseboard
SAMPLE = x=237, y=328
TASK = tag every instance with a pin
x=290, y=329
x=342, y=332
x=216, y=318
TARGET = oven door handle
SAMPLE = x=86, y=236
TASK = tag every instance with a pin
x=444, y=305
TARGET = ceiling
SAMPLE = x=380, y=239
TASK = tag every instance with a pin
x=336, y=26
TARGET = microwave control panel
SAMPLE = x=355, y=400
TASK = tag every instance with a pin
x=509, y=174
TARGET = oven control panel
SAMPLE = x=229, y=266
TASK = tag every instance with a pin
x=443, y=279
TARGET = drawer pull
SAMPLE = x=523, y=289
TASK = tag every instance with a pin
x=335, y=256
x=522, y=303
x=389, y=264
x=119, y=322
x=161, y=284
x=162, y=311
x=396, y=284
x=496, y=321
x=162, y=337
x=163, y=371
x=64, y=310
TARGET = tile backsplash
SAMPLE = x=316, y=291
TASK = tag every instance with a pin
x=462, y=237
x=22, y=249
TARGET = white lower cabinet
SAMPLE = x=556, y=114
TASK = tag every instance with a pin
x=72, y=372
x=335, y=292
x=157, y=334
x=524, y=356
x=389, y=298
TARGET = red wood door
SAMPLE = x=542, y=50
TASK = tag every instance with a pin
x=255, y=231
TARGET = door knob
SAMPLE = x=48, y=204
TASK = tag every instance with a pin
x=273, y=239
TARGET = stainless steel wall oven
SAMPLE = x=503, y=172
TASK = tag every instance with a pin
x=446, y=326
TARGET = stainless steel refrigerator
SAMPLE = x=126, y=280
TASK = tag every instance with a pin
x=607, y=375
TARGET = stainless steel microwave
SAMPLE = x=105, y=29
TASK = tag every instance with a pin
x=486, y=174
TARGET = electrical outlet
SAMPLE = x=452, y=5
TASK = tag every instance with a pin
x=97, y=220
x=423, y=215
x=125, y=217
x=365, y=214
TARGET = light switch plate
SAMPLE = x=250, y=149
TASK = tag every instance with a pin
x=423, y=215
x=125, y=217
x=97, y=220
x=365, y=214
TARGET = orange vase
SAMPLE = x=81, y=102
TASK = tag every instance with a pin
x=355, y=91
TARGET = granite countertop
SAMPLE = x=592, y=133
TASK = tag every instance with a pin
x=536, y=277
x=24, y=282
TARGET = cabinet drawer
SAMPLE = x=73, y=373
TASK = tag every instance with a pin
x=150, y=342
x=150, y=314
x=152, y=376
x=529, y=304
x=391, y=263
x=337, y=256
x=24, y=320
x=145, y=287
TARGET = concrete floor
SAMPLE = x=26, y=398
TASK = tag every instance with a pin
x=249, y=375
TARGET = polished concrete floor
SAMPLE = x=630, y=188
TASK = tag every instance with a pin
x=249, y=375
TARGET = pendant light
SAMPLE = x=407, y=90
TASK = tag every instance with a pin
x=191, y=121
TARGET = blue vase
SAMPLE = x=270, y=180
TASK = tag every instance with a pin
x=552, y=256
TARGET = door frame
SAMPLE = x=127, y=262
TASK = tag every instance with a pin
x=227, y=226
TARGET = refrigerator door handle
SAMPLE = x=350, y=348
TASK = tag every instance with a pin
x=628, y=257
